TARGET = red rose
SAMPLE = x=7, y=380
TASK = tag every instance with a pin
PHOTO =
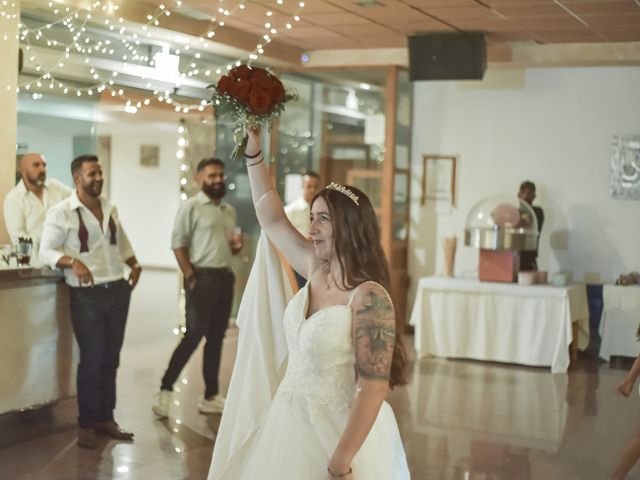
x=240, y=90
x=259, y=73
x=278, y=93
x=260, y=100
x=242, y=71
x=262, y=82
x=223, y=84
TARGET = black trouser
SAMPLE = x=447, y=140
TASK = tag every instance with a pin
x=528, y=260
x=208, y=307
x=99, y=316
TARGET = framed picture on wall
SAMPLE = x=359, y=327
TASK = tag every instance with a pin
x=149, y=155
x=625, y=168
x=439, y=179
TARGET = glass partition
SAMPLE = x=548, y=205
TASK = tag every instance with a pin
x=57, y=127
x=402, y=157
x=296, y=138
x=352, y=147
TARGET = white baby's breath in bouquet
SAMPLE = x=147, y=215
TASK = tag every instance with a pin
x=251, y=97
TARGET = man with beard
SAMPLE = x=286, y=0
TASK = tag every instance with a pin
x=83, y=236
x=26, y=204
x=203, y=242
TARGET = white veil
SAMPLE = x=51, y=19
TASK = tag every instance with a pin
x=261, y=357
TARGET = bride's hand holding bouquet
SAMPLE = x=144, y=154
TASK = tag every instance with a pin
x=252, y=97
x=253, y=143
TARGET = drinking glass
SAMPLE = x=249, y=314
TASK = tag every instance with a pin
x=23, y=252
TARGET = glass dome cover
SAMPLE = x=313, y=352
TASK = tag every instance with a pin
x=501, y=223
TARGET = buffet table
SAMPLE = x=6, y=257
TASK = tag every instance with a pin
x=620, y=319
x=503, y=322
x=37, y=350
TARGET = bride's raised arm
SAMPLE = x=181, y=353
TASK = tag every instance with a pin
x=297, y=250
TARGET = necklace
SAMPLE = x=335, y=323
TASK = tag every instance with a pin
x=330, y=281
x=327, y=285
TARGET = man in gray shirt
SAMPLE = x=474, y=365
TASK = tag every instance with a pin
x=203, y=241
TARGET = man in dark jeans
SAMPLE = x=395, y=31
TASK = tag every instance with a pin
x=203, y=240
x=83, y=236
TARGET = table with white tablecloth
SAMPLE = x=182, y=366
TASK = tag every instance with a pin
x=619, y=322
x=503, y=322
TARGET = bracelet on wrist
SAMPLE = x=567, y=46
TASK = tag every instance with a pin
x=253, y=156
x=254, y=163
x=136, y=266
x=73, y=259
x=338, y=475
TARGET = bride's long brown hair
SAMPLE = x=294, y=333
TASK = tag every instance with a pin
x=356, y=237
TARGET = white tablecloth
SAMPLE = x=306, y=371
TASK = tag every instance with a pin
x=504, y=322
x=620, y=319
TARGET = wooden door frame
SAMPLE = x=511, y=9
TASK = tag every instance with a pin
x=389, y=165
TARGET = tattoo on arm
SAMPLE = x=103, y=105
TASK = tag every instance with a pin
x=374, y=334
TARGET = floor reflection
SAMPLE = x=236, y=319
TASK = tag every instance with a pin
x=490, y=460
x=470, y=420
x=500, y=404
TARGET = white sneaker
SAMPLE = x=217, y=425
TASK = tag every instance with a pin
x=161, y=403
x=211, y=406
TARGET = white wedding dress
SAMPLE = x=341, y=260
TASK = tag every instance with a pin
x=296, y=432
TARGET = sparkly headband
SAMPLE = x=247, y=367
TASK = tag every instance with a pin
x=344, y=191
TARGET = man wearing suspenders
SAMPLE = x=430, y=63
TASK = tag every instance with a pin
x=83, y=236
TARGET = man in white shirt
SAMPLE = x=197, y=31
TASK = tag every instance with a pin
x=83, y=236
x=203, y=241
x=26, y=204
x=298, y=210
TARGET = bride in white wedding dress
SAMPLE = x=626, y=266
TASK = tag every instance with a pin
x=307, y=395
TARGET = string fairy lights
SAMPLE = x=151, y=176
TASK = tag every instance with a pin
x=270, y=31
x=126, y=47
x=182, y=154
x=184, y=160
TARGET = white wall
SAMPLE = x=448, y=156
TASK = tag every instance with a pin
x=553, y=126
x=147, y=197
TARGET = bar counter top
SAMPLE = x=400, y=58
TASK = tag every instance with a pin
x=29, y=273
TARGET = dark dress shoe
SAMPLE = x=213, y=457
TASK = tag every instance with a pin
x=113, y=430
x=86, y=438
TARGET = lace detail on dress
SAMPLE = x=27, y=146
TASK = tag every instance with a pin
x=321, y=366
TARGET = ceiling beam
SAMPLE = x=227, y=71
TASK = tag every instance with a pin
x=576, y=54
x=130, y=75
x=503, y=55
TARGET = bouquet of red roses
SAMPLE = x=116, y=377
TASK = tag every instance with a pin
x=252, y=97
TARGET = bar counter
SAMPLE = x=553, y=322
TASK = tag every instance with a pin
x=38, y=355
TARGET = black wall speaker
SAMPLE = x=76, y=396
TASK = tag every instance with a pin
x=447, y=56
x=20, y=60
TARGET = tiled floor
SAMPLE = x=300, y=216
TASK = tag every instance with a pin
x=459, y=419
